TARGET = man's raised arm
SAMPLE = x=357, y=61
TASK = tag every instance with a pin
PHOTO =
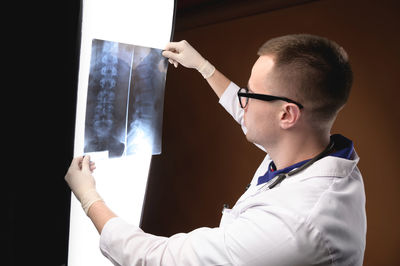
x=183, y=53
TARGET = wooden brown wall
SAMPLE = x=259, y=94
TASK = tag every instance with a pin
x=206, y=160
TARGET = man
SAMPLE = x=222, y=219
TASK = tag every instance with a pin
x=306, y=202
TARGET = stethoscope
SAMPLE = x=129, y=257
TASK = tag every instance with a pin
x=282, y=176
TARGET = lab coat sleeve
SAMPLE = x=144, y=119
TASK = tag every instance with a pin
x=230, y=102
x=256, y=238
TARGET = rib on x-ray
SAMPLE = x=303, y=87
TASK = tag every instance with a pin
x=125, y=99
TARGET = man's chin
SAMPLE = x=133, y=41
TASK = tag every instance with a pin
x=249, y=138
x=252, y=140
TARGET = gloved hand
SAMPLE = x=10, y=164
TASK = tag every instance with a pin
x=183, y=53
x=80, y=180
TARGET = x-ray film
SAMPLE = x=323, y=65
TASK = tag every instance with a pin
x=124, y=99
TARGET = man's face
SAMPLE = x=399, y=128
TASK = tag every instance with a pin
x=260, y=117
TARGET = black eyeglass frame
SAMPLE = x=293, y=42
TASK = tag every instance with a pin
x=263, y=97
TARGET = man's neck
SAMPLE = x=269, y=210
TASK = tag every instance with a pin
x=296, y=149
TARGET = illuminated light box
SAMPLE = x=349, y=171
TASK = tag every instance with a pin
x=119, y=108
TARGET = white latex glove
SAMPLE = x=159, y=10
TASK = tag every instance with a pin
x=80, y=180
x=183, y=53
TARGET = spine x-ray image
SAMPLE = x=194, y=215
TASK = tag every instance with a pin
x=125, y=99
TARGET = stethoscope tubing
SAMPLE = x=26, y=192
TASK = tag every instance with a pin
x=282, y=176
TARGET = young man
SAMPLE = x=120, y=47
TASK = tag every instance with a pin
x=306, y=202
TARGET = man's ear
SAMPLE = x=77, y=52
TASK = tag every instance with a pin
x=289, y=115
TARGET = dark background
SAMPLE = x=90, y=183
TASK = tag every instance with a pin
x=206, y=161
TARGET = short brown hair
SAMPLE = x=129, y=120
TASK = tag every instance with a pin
x=317, y=69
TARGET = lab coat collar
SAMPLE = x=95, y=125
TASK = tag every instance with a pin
x=332, y=166
x=339, y=164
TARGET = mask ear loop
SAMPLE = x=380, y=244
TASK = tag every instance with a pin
x=324, y=153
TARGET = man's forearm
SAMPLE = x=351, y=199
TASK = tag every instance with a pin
x=218, y=83
x=100, y=214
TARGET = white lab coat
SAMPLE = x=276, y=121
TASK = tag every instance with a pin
x=316, y=217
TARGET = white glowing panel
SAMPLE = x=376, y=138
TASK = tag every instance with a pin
x=119, y=38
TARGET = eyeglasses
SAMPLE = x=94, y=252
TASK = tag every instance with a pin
x=244, y=95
